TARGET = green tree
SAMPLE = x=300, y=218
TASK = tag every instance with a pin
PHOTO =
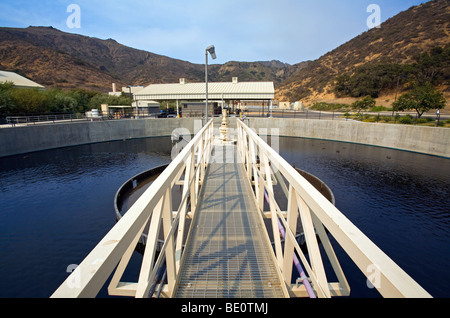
x=64, y=104
x=6, y=101
x=343, y=85
x=83, y=98
x=421, y=99
x=363, y=104
x=59, y=101
x=99, y=99
x=29, y=101
x=433, y=67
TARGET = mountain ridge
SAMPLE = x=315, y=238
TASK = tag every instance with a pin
x=66, y=60
x=111, y=61
x=398, y=40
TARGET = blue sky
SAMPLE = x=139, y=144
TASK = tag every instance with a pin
x=291, y=31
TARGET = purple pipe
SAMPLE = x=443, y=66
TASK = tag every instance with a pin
x=297, y=264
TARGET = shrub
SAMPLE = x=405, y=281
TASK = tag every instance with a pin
x=422, y=121
x=378, y=109
x=407, y=120
x=367, y=102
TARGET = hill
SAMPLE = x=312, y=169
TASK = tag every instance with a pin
x=398, y=41
x=55, y=58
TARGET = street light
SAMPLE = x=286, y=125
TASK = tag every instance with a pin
x=212, y=50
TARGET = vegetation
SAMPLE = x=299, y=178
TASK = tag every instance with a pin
x=398, y=119
x=367, y=102
x=24, y=101
x=322, y=106
x=421, y=99
x=372, y=78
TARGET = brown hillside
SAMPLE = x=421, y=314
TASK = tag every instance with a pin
x=55, y=58
x=399, y=39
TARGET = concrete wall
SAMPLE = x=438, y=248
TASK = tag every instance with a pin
x=428, y=140
x=21, y=140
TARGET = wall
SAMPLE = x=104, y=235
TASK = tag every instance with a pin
x=428, y=140
x=21, y=140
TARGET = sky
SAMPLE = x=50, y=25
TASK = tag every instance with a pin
x=290, y=31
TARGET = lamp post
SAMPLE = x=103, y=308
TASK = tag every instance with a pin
x=212, y=50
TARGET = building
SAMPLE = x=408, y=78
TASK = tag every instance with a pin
x=125, y=90
x=197, y=109
x=224, y=93
x=18, y=80
x=145, y=108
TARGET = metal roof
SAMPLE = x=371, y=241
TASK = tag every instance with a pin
x=18, y=81
x=197, y=91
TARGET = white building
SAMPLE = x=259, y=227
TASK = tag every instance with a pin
x=231, y=93
x=18, y=80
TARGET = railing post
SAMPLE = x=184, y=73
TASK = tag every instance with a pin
x=170, y=251
x=187, y=186
x=313, y=246
x=259, y=188
x=150, y=251
x=199, y=174
x=267, y=174
x=292, y=216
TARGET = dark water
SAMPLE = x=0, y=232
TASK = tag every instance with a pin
x=400, y=200
x=55, y=206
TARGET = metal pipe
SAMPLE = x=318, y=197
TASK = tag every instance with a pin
x=161, y=284
x=297, y=264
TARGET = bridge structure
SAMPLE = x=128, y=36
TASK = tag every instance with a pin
x=216, y=242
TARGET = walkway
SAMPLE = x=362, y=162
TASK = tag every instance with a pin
x=228, y=253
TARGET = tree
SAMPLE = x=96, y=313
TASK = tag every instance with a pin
x=365, y=103
x=421, y=99
x=99, y=99
x=29, y=100
x=6, y=102
x=343, y=85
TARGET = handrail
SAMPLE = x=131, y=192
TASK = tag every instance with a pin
x=317, y=214
x=155, y=206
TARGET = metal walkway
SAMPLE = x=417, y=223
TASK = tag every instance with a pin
x=228, y=254
x=226, y=191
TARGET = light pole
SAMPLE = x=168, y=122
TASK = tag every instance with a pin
x=212, y=50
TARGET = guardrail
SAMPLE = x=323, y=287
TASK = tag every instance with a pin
x=265, y=169
x=153, y=208
x=39, y=119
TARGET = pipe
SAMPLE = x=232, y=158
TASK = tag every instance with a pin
x=297, y=264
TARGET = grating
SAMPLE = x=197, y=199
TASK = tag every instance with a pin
x=228, y=255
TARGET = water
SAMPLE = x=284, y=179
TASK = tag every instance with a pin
x=400, y=200
x=56, y=205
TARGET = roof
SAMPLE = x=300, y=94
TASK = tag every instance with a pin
x=196, y=91
x=18, y=80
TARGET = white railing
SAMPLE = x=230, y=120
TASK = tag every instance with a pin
x=265, y=169
x=153, y=210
